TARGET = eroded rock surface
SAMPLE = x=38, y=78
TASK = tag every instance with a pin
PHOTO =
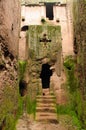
x=10, y=23
x=9, y=37
x=8, y=66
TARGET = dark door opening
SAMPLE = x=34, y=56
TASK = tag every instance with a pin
x=49, y=10
x=45, y=75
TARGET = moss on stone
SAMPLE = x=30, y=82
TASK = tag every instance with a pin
x=72, y=81
x=9, y=107
x=38, y=49
x=22, y=68
x=79, y=20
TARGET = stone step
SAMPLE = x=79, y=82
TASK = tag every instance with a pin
x=47, y=96
x=45, y=116
x=45, y=101
x=44, y=109
x=53, y=121
x=45, y=105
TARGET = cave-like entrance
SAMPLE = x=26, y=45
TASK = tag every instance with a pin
x=45, y=75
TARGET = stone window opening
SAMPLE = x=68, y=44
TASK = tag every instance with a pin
x=49, y=10
x=23, y=19
x=24, y=28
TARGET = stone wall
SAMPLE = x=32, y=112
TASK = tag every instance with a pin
x=32, y=14
x=37, y=1
x=9, y=37
x=80, y=40
x=9, y=23
x=79, y=22
x=38, y=50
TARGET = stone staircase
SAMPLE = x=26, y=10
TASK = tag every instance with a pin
x=45, y=110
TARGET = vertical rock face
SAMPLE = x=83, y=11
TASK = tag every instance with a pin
x=9, y=23
x=80, y=40
x=9, y=37
x=79, y=12
x=81, y=48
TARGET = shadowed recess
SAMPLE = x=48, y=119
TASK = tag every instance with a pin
x=25, y=28
x=22, y=87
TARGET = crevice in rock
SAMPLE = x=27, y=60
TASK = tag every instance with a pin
x=8, y=65
x=12, y=27
x=22, y=87
x=3, y=124
x=2, y=67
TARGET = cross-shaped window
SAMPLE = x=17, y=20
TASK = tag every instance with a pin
x=45, y=39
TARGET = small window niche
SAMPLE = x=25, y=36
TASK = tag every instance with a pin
x=23, y=19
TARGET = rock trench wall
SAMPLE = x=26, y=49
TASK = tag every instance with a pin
x=9, y=37
x=80, y=41
x=79, y=22
x=9, y=23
